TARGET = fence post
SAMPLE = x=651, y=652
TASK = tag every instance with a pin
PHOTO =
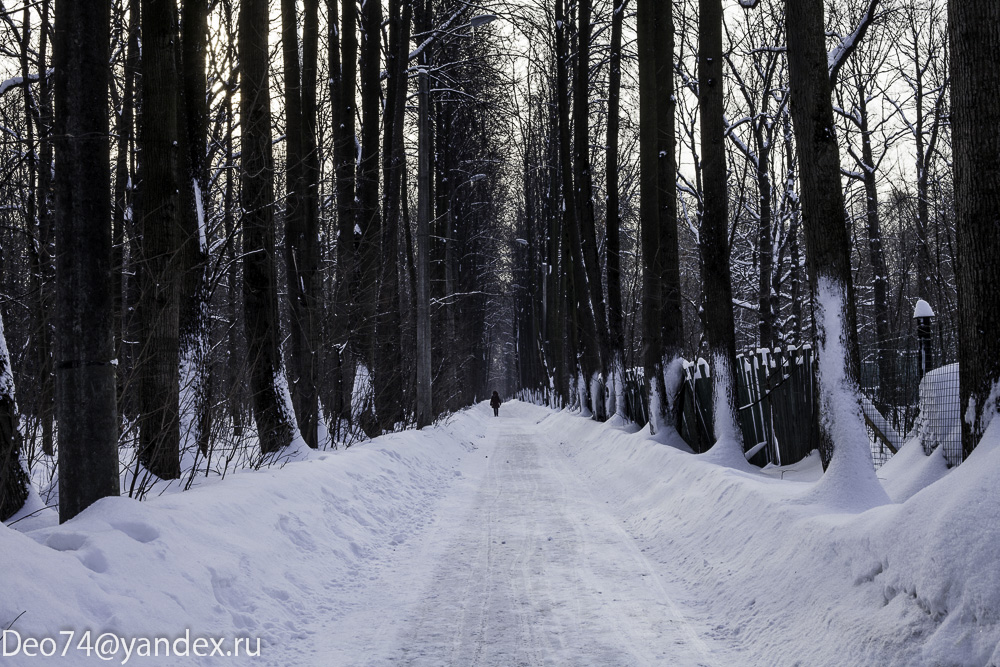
x=922, y=313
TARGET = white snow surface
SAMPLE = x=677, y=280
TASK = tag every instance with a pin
x=922, y=309
x=539, y=538
x=850, y=480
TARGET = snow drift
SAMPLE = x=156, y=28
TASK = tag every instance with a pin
x=280, y=554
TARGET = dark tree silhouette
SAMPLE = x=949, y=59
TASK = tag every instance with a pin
x=84, y=368
x=975, y=54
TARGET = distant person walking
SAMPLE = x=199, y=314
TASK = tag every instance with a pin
x=495, y=404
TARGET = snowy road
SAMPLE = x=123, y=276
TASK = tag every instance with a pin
x=522, y=566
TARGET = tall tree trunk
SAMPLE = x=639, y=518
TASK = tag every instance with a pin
x=124, y=191
x=369, y=213
x=275, y=425
x=584, y=189
x=844, y=443
x=720, y=329
x=85, y=373
x=309, y=255
x=587, y=350
x=37, y=214
x=555, y=317
x=663, y=332
x=236, y=361
x=46, y=389
x=13, y=477
x=343, y=84
x=767, y=315
x=425, y=394
x=876, y=256
x=616, y=318
x=301, y=212
x=975, y=94
x=130, y=347
x=667, y=261
x=159, y=299
x=649, y=210
x=195, y=325
x=389, y=325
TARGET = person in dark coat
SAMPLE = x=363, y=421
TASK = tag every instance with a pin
x=495, y=404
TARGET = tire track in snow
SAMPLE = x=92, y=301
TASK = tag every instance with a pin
x=535, y=571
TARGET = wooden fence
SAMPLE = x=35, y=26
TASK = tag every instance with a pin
x=776, y=397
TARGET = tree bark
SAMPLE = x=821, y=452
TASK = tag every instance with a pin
x=343, y=82
x=124, y=191
x=194, y=322
x=843, y=443
x=369, y=212
x=159, y=299
x=668, y=257
x=275, y=425
x=85, y=373
x=587, y=349
x=616, y=318
x=13, y=478
x=661, y=304
x=584, y=188
x=425, y=409
x=975, y=52
x=389, y=325
x=649, y=210
x=302, y=212
x=720, y=329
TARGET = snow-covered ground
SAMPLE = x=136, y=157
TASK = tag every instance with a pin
x=539, y=538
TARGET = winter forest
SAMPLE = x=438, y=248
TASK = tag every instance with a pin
x=234, y=231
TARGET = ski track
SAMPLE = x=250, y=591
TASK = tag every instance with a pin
x=523, y=565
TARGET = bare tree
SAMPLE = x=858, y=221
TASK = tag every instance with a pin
x=302, y=211
x=661, y=298
x=584, y=330
x=275, y=425
x=159, y=268
x=720, y=330
x=13, y=477
x=844, y=446
x=616, y=323
x=85, y=372
x=343, y=84
x=974, y=28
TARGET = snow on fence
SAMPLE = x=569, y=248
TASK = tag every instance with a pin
x=940, y=422
x=776, y=403
x=776, y=395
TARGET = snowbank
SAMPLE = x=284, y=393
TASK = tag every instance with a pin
x=792, y=582
x=249, y=557
x=281, y=554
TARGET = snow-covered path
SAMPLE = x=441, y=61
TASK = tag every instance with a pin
x=540, y=538
x=523, y=566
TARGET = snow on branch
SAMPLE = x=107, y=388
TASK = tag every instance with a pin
x=18, y=81
x=848, y=44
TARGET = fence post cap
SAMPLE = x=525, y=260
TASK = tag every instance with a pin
x=922, y=309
